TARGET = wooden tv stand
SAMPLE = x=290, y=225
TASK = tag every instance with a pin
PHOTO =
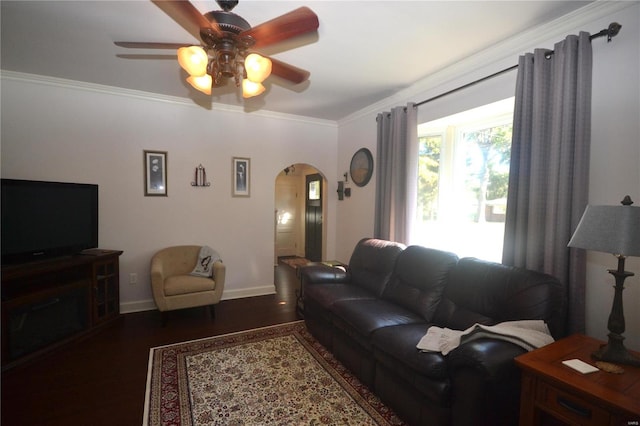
x=48, y=303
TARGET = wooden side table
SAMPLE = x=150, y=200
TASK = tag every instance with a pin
x=554, y=394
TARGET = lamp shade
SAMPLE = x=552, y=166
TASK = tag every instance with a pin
x=202, y=83
x=609, y=229
x=194, y=60
x=251, y=89
x=258, y=67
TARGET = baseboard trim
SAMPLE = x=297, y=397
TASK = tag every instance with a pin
x=248, y=292
x=150, y=305
x=137, y=306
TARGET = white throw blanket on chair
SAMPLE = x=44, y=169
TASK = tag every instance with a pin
x=528, y=334
x=206, y=259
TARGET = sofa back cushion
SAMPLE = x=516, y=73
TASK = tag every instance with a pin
x=490, y=293
x=176, y=260
x=372, y=263
x=419, y=279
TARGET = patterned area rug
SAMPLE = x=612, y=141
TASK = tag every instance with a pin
x=277, y=375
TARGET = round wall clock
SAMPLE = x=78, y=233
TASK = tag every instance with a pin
x=361, y=168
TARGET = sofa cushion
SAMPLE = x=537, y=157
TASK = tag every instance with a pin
x=359, y=318
x=419, y=279
x=487, y=292
x=400, y=343
x=372, y=263
x=395, y=348
x=185, y=284
x=451, y=315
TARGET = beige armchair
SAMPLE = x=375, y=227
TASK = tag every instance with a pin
x=173, y=286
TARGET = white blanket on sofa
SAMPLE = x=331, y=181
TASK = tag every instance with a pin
x=528, y=334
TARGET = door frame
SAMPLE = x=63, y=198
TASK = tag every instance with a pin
x=302, y=169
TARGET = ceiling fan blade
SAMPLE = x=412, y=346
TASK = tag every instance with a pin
x=288, y=72
x=150, y=45
x=187, y=16
x=292, y=24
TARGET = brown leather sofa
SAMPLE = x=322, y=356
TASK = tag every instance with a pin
x=373, y=314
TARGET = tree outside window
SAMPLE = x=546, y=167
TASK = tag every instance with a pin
x=428, y=176
x=490, y=179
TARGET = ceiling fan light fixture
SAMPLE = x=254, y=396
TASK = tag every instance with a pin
x=251, y=89
x=258, y=67
x=201, y=83
x=226, y=42
x=193, y=59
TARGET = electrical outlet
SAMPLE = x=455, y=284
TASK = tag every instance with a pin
x=133, y=278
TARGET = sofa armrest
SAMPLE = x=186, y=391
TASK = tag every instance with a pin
x=219, y=272
x=486, y=382
x=320, y=273
x=157, y=282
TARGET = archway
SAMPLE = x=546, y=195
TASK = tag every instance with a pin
x=294, y=212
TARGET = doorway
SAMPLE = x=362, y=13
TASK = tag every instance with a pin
x=300, y=190
x=313, y=218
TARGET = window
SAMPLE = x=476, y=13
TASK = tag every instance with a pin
x=463, y=175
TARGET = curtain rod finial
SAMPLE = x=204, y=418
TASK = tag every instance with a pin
x=613, y=30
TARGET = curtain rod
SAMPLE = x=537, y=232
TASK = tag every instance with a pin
x=610, y=32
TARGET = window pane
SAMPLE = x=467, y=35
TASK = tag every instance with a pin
x=463, y=174
x=488, y=153
x=314, y=190
x=428, y=176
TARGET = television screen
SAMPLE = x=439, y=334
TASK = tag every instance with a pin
x=47, y=219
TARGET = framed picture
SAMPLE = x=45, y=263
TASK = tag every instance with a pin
x=241, y=177
x=155, y=173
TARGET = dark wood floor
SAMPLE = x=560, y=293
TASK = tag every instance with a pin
x=101, y=380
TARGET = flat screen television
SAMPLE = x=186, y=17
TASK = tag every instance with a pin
x=47, y=219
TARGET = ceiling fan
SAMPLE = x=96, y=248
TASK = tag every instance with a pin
x=227, y=40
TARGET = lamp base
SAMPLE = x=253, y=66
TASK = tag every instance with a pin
x=615, y=352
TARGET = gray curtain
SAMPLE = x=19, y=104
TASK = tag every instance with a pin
x=548, y=181
x=396, y=173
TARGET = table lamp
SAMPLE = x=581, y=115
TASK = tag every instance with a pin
x=616, y=230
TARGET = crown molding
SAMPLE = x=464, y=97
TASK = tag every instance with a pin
x=155, y=97
x=495, y=58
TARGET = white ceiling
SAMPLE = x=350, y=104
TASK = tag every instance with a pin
x=364, y=51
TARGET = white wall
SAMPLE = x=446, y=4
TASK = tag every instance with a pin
x=615, y=164
x=355, y=213
x=62, y=132
x=615, y=169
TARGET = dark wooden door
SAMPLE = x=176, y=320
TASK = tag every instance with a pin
x=313, y=217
